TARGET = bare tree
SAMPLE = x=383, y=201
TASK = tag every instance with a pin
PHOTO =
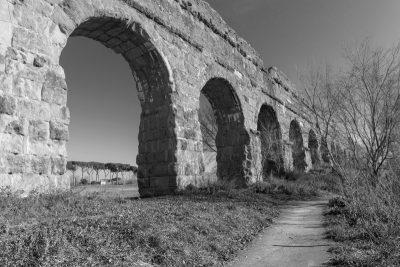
x=319, y=94
x=271, y=150
x=370, y=103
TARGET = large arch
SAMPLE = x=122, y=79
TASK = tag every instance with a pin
x=271, y=141
x=298, y=153
x=313, y=146
x=226, y=121
x=153, y=83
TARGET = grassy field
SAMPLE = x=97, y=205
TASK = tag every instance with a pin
x=196, y=227
x=120, y=191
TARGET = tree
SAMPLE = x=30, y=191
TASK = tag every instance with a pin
x=319, y=95
x=370, y=104
x=72, y=166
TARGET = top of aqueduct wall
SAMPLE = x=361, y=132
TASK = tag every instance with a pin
x=201, y=11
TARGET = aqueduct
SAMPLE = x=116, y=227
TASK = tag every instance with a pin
x=177, y=50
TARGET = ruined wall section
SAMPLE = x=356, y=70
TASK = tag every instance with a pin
x=197, y=47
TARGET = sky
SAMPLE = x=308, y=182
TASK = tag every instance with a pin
x=288, y=34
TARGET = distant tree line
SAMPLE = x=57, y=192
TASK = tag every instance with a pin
x=111, y=170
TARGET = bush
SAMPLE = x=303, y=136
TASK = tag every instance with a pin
x=84, y=182
x=131, y=181
x=366, y=222
x=292, y=175
x=302, y=188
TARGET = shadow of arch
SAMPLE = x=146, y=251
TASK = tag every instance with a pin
x=225, y=119
x=298, y=153
x=313, y=146
x=271, y=141
x=154, y=87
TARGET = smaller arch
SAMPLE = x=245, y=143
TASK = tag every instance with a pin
x=298, y=153
x=313, y=146
x=271, y=141
x=325, y=154
x=222, y=127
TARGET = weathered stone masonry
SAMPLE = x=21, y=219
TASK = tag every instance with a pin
x=176, y=50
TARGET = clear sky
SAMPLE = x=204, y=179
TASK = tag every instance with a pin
x=102, y=96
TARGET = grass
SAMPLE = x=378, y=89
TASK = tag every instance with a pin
x=70, y=229
x=196, y=227
x=365, y=223
x=298, y=186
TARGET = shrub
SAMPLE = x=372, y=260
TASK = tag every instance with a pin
x=366, y=222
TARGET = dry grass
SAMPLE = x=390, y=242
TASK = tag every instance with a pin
x=196, y=227
x=298, y=186
x=365, y=223
x=69, y=229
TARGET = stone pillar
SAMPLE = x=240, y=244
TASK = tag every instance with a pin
x=189, y=153
x=33, y=114
x=288, y=155
x=307, y=152
x=254, y=168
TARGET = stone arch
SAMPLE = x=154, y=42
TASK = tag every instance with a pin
x=298, y=153
x=157, y=139
x=271, y=141
x=313, y=146
x=229, y=132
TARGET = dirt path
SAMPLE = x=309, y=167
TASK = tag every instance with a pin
x=296, y=239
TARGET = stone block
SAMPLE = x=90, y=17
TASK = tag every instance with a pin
x=17, y=164
x=5, y=10
x=27, y=88
x=39, y=149
x=39, y=130
x=58, y=166
x=58, y=131
x=54, y=89
x=34, y=110
x=59, y=113
x=8, y=181
x=6, y=33
x=25, y=39
x=41, y=165
x=11, y=143
x=18, y=127
x=7, y=105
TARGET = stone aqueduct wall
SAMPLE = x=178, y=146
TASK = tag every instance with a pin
x=176, y=49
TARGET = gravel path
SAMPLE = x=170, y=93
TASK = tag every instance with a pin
x=296, y=239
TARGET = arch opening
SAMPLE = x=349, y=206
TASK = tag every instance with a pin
x=325, y=151
x=153, y=84
x=271, y=141
x=313, y=146
x=298, y=153
x=223, y=134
